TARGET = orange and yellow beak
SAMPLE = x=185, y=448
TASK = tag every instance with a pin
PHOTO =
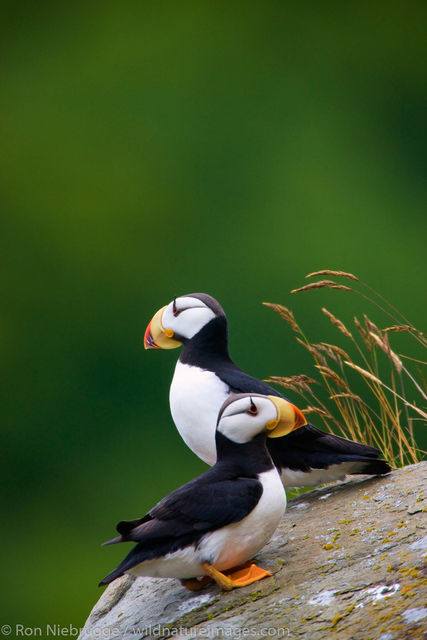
x=289, y=418
x=156, y=337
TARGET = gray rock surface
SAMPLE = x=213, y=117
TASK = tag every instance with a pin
x=348, y=561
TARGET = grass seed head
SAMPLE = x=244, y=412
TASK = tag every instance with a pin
x=340, y=352
x=383, y=417
x=363, y=372
x=285, y=313
x=371, y=326
x=317, y=410
x=384, y=345
x=300, y=383
x=331, y=272
x=332, y=375
x=330, y=284
x=403, y=327
x=351, y=396
x=363, y=334
x=340, y=325
x=314, y=352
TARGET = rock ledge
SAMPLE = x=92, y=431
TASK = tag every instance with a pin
x=348, y=561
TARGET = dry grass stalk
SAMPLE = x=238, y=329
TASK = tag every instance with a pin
x=320, y=412
x=382, y=341
x=363, y=334
x=384, y=419
x=300, y=383
x=327, y=350
x=331, y=272
x=340, y=325
x=379, y=341
x=302, y=378
x=282, y=383
x=314, y=352
x=423, y=414
x=353, y=396
x=403, y=327
x=285, y=313
x=320, y=284
x=401, y=355
x=340, y=352
x=389, y=309
x=385, y=346
x=371, y=326
x=363, y=372
x=332, y=375
x=369, y=375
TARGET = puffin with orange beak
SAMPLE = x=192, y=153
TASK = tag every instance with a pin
x=205, y=376
x=211, y=527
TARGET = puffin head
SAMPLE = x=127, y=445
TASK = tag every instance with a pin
x=180, y=320
x=243, y=416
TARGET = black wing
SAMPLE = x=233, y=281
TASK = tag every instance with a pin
x=307, y=448
x=202, y=505
x=241, y=382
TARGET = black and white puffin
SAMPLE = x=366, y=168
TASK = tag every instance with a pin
x=204, y=377
x=218, y=521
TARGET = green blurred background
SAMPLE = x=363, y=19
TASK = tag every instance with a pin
x=156, y=149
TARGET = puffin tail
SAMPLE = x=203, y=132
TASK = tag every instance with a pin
x=113, y=541
x=373, y=467
x=125, y=528
x=111, y=576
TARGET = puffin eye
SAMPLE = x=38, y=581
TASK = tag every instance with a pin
x=174, y=309
x=253, y=410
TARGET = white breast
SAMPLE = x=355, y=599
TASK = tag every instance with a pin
x=236, y=543
x=196, y=397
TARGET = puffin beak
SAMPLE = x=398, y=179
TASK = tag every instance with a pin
x=289, y=418
x=156, y=337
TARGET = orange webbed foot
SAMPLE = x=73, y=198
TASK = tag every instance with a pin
x=238, y=577
x=247, y=574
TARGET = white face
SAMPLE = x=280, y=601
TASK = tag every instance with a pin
x=185, y=316
x=246, y=417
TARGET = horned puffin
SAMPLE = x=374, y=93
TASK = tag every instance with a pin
x=204, y=377
x=214, y=524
